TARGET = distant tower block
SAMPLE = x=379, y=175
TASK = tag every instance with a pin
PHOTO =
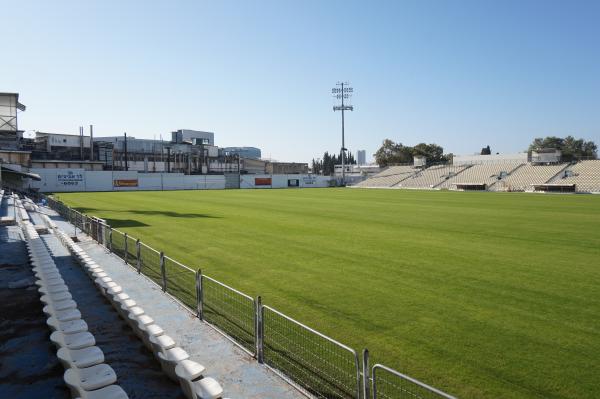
x=361, y=157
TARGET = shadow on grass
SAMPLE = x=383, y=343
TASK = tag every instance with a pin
x=170, y=214
x=116, y=223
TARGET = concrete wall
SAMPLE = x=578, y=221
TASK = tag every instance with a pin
x=70, y=180
x=281, y=181
x=66, y=180
x=485, y=159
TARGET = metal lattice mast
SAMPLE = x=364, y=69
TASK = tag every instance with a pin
x=342, y=92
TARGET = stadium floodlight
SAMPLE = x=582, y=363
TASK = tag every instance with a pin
x=343, y=93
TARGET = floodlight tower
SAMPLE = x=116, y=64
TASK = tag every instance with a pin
x=342, y=92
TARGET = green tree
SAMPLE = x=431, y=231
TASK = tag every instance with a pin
x=391, y=153
x=433, y=152
x=571, y=148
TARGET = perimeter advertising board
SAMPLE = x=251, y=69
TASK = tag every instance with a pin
x=125, y=182
x=70, y=178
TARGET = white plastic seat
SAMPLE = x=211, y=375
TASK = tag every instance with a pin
x=90, y=378
x=55, y=289
x=169, y=360
x=139, y=322
x=149, y=330
x=67, y=327
x=44, y=270
x=208, y=388
x=91, y=265
x=72, y=341
x=104, y=283
x=61, y=296
x=134, y=310
x=116, y=298
x=59, y=305
x=123, y=307
x=161, y=343
x=109, y=392
x=112, y=291
x=80, y=358
x=187, y=371
x=67, y=314
x=50, y=282
x=91, y=270
x=101, y=274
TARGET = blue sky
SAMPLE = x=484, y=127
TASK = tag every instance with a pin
x=462, y=74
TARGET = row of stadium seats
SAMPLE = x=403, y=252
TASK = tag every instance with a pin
x=523, y=178
x=585, y=175
x=174, y=361
x=388, y=177
x=502, y=176
x=431, y=177
x=487, y=174
x=86, y=375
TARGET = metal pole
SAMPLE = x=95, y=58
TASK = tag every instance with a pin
x=126, y=252
x=138, y=248
x=366, y=379
x=374, y=384
x=110, y=238
x=199, y=295
x=163, y=272
x=260, y=331
x=343, y=146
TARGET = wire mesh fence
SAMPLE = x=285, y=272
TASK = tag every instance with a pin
x=131, y=248
x=391, y=384
x=230, y=310
x=118, y=243
x=321, y=365
x=181, y=282
x=150, y=263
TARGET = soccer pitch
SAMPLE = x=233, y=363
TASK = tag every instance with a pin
x=483, y=295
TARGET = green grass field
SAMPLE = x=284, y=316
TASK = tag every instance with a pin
x=484, y=295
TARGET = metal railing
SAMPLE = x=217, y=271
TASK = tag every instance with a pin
x=316, y=363
x=232, y=311
x=321, y=365
x=391, y=384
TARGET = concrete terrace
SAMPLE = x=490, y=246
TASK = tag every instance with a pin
x=239, y=374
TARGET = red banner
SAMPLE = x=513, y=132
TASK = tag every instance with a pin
x=262, y=181
x=125, y=183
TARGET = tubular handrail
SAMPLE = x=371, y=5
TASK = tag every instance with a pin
x=228, y=287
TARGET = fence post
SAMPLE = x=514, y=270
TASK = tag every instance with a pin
x=73, y=221
x=366, y=379
x=163, y=272
x=199, y=295
x=138, y=250
x=374, y=384
x=126, y=252
x=260, y=330
x=110, y=239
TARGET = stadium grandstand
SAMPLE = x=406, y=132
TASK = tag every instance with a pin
x=431, y=177
x=528, y=175
x=481, y=176
x=585, y=175
x=389, y=177
x=510, y=175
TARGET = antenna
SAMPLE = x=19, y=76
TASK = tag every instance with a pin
x=343, y=93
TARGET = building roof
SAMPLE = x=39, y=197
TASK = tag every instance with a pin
x=19, y=105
